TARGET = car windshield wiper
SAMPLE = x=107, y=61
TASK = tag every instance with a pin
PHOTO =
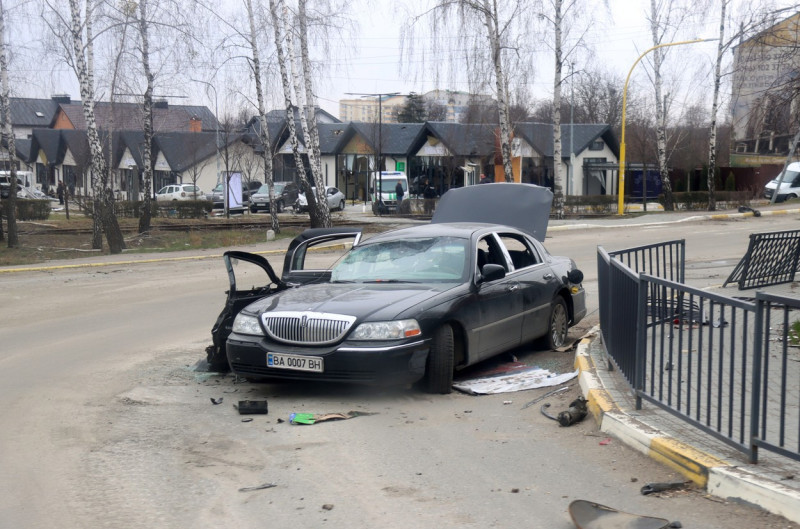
x=343, y=281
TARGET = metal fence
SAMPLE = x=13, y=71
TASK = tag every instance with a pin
x=729, y=367
x=771, y=259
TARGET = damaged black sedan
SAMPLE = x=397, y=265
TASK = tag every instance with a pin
x=417, y=303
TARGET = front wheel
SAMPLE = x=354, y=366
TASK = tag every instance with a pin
x=341, y=205
x=279, y=206
x=440, y=363
x=558, y=324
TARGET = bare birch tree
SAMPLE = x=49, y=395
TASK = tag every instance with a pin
x=103, y=196
x=147, y=114
x=305, y=97
x=488, y=55
x=284, y=65
x=8, y=139
x=712, y=136
x=262, y=117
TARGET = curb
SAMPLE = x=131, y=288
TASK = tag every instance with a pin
x=718, y=478
x=719, y=216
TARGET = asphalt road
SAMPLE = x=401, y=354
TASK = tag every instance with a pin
x=106, y=423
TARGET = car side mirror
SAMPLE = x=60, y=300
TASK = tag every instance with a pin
x=575, y=276
x=492, y=272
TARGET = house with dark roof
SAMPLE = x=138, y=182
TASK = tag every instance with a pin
x=590, y=168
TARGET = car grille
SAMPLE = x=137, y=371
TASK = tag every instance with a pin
x=307, y=328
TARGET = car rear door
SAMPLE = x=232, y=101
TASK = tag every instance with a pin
x=498, y=306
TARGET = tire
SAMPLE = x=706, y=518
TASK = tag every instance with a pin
x=341, y=205
x=440, y=363
x=558, y=324
x=253, y=209
x=279, y=206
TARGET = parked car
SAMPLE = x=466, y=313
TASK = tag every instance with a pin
x=412, y=304
x=790, y=186
x=284, y=193
x=335, y=199
x=179, y=192
x=217, y=195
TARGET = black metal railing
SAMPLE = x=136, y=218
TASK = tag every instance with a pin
x=727, y=366
x=776, y=410
x=696, y=352
x=771, y=259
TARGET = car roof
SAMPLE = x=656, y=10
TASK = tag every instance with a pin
x=462, y=230
x=525, y=207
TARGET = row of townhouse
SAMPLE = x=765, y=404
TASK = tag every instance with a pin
x=189, y=147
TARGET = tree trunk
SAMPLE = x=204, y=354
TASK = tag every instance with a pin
x=712, y=137
x=309, y=117
x=287, y=97
x=97, y=221
x=502, y=93
x=558, y=162
x=104, y=201
x=147, y=108
x=661, y=114
x=306, y=123
x=262, y=119
x=8, y=138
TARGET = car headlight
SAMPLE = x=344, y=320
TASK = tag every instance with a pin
x=386, y=330
x=246, y=324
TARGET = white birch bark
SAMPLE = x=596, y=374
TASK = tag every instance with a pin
x=262, y=117
x=661, y=112
x=491, y=21
x=147, y=109
x=8, y=137
x=712, y=137
x=287, y=97
x=558, y=163
x=321, y=203
x=102, y=196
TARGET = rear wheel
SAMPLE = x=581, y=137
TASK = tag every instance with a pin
x=439, y=367
x=279, y=206
x=341, y=205
x=558, y=324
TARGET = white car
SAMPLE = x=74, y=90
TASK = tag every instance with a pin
x=790, y=184
x=334, y=197
x=176, y=192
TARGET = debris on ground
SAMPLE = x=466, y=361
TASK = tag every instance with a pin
x=574, y=414
x=258, y=487
x=530, y=378
x=216, y=401
x=652, y=488
x=252, y=407
x=548, y=394
x=313, y=418
x=591, y=515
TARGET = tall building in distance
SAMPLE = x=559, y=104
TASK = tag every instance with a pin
x=365, y=109
x=764, y=101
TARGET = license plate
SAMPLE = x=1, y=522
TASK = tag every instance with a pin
x=295, y=362
x=260, y=204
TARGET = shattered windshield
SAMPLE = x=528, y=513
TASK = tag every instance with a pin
x=432, y=259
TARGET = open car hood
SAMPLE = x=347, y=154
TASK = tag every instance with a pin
x=522, y=206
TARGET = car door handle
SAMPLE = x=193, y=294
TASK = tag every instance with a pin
x=513, y=287
x=548, y=276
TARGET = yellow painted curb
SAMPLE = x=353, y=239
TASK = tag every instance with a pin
x=690, y=462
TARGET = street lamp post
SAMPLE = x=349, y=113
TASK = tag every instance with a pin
x=621, y=185
x=380, y=146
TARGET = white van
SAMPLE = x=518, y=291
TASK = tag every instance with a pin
x=790, y=186
x=385, y=184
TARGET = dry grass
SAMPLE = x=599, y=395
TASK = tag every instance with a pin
x=59, y=238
